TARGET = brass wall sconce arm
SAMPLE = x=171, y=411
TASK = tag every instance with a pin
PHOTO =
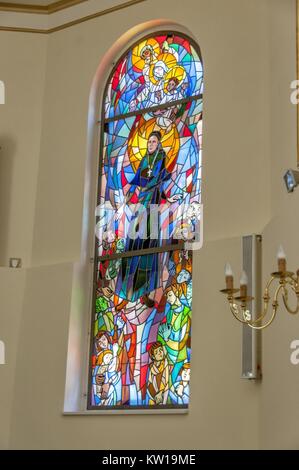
x=287, y=281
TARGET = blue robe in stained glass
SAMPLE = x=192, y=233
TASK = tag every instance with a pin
x=139, y=274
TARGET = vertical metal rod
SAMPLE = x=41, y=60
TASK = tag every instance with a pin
x=251, y=339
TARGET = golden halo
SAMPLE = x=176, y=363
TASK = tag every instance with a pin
x=168, y=59
x=137, y=144
x=177, y=72
x=137, y=60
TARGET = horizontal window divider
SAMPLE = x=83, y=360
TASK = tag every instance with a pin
x=168, y=105
x=139, y=407
x=145, y=251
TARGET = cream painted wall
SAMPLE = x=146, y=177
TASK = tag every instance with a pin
x=23, y=61
x=279, y=405
x=242, y=46
x=12, y=284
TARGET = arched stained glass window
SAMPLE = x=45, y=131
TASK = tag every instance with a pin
x=149, y=201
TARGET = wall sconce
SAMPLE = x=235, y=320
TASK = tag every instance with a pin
x=239, y=305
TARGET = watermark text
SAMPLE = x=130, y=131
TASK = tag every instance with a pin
x=294, y=357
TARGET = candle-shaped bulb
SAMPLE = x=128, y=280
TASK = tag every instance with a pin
x=243, y=284
x=228, y=270
x=281, y=260
x=229, y=279
x=244, y=279
x=281, y=254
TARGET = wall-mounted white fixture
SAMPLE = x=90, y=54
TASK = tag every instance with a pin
x=251, y=339
x=2, y=92
x=15, y=262
x=2, y=353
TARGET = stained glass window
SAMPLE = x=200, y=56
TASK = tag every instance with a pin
x=148, y=217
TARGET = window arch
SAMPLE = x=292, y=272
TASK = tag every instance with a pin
x=149, y=199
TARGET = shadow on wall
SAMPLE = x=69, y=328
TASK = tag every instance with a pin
x=7, y=152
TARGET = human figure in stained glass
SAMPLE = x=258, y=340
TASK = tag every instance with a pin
x=158, y=377
x=180, y=391
x=175, y=331
x=107, y=380
x=184, y=279
x=106, y=370
x=155, y=69
x=139, y=274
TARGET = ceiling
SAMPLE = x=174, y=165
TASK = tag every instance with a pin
x=37, y=6
x=36, y=16
x=31, y=2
